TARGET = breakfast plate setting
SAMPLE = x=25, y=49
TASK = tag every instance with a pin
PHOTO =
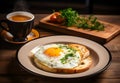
x=63, y=56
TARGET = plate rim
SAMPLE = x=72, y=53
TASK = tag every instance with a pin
x=38, y=74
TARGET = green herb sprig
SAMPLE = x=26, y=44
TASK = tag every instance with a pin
x=64, y=59
x=72, y=18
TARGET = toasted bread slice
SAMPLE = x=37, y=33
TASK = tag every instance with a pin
x=84, y=52
x=85, y=65
x=85, y=61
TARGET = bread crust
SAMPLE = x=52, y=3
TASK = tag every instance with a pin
x=85, y=65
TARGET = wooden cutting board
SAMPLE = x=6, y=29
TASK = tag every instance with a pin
x=111, y=30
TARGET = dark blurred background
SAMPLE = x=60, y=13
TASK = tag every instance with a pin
x=111, y=7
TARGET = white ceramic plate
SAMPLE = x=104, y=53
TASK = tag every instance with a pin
x=101, y=56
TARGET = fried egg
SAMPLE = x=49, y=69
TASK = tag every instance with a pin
x=57, y=55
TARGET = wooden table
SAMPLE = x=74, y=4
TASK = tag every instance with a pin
x=11, y=72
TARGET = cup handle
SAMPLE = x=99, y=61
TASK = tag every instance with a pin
x=4, y=25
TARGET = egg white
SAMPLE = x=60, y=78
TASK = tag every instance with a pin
x=55, y=62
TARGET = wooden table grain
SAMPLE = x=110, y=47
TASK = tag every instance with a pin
x=11, y=72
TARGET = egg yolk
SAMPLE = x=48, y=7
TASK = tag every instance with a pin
x=53, y=52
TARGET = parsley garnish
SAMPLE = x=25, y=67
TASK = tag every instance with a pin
x=72, y=18
x=64, y=59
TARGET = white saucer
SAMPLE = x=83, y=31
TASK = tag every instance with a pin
x=9, y=38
